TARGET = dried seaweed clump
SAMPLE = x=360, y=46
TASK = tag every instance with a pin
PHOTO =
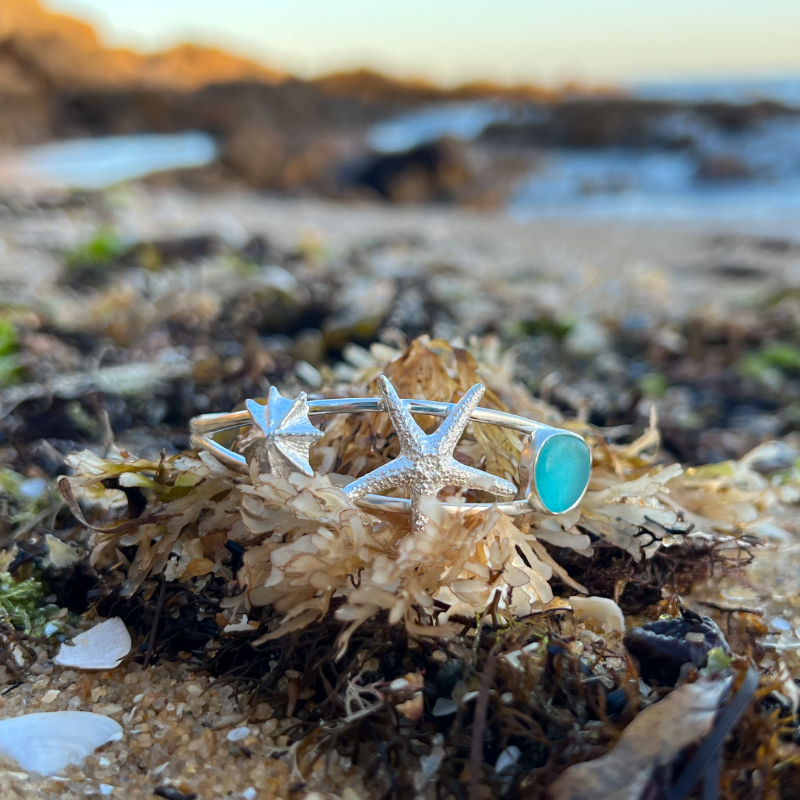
x=307, y=546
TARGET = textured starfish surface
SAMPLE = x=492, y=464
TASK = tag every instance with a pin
x=282, y=434
x=426, y=465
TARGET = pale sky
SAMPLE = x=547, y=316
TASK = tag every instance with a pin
x=455, y=40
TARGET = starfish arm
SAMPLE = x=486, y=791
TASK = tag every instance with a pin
x=258, y=413
x=296, y=414
x=407, y=429
x=301, y=430
x=295, y=452
x=471, y=478
x=387, y=476
x=450, y=430
x=300, y=427
x=279, y=463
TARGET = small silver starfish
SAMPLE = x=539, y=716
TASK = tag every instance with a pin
x=426, y=464
x=282, y=434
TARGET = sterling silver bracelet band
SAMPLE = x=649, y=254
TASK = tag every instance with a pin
x=554, y=463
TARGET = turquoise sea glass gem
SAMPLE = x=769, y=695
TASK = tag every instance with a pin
x=562, y=472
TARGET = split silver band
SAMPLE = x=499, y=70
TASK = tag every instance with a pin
x=204, y=427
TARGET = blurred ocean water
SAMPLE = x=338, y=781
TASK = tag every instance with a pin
x=674, y=184
x=100, y=162
x=459, y=120
x=782, y=89
x=648, y=186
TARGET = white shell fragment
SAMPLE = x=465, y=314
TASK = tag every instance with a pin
x=101, y=647
x=48, y=742
x=237, y=734
x=60, y=555
x=507, y=758
x=515, y=656
x=599, y=613
x=444, y=707
x=241, y=626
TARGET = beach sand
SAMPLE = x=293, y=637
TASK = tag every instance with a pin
x=684, y=266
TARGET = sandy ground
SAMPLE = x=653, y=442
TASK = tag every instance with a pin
x=695, y=264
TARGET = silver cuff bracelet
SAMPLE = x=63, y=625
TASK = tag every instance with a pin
x=554, y=470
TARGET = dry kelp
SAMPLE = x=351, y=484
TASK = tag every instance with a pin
x=306, y=544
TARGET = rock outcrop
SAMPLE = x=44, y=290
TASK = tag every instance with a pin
x=40, y=47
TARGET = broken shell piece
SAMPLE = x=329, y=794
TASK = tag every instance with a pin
x=244, y=625
x=49, y=742
x=239, y=733
x=444, y=707
x=412, y=709
x=413, y=682
x=101, y=647
x=60, y=555
x=508, y=758
x=515, y=656
x=598, y=613
x=469, y=696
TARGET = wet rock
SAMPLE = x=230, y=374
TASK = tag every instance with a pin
x=664, y=646
x=627, y=122
x=449, y=674
x=723, y=168
x=255, y=154
x=738, y=271
x=428, y=173
x=616, y=700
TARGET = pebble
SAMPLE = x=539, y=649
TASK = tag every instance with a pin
x=109, y=709
x=238, y=733
x=449, y=674
x=263, y=712
x=662, y=647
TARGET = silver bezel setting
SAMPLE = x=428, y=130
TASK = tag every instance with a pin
x=528, y=462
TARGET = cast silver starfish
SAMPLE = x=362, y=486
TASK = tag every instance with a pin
x=282, y=435
x=426, y=465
